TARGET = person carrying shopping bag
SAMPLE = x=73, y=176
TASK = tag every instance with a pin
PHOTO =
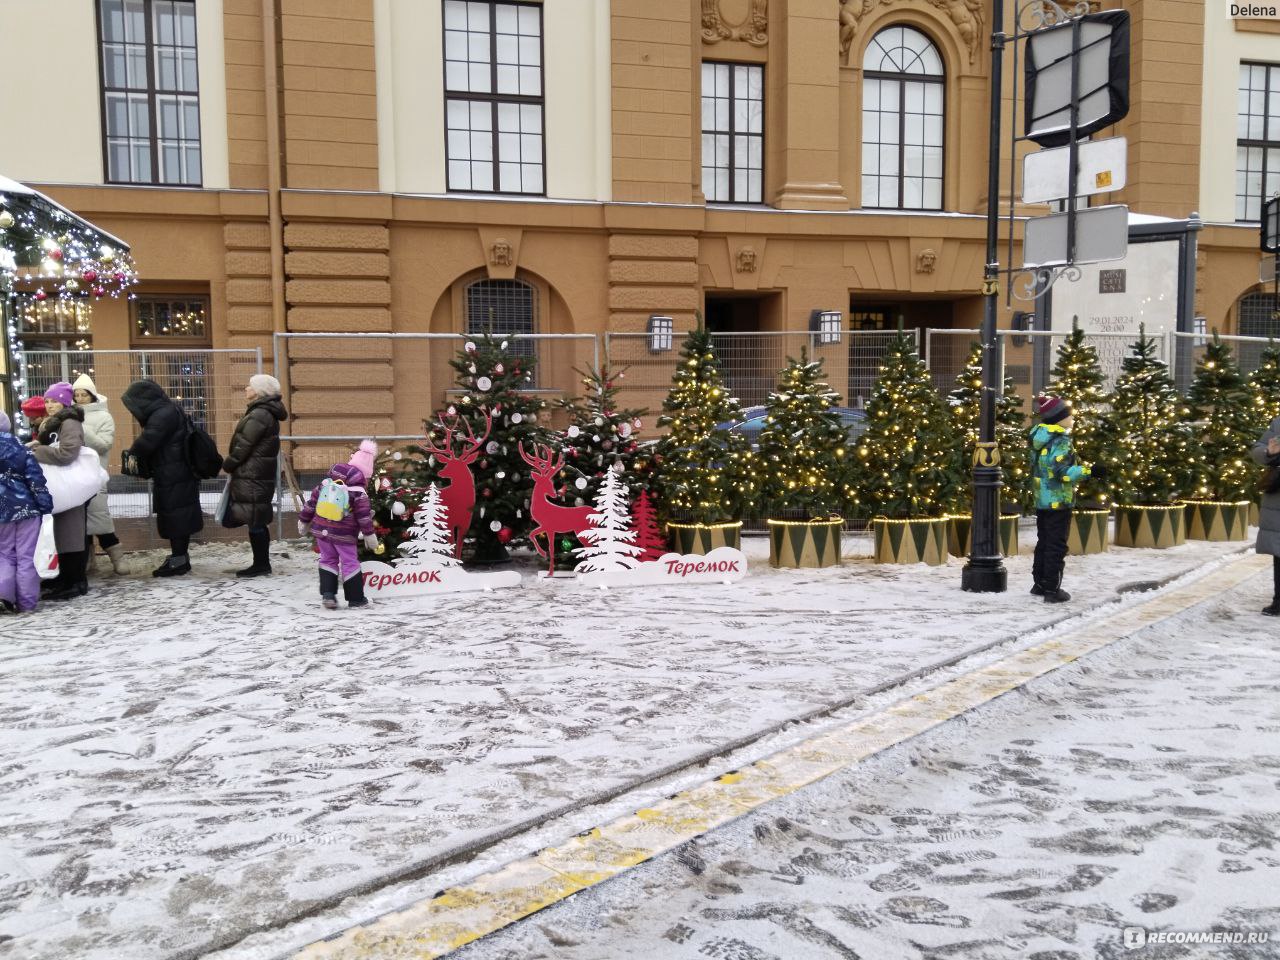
x=58, y=444
x=24, y=499
x=99, y=435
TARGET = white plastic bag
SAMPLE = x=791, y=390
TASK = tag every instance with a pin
x=75, y=483
x=46, y=558
x=224, y=501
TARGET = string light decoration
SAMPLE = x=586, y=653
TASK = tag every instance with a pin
x=704, y=474
x=802, y=448
x=965, y=403
x=1077, y=378
x=1264, y=388
x=1155, y=445
x=1225, y=422
x=908, y=463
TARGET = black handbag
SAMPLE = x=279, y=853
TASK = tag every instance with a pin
x=1270, y=482
x=132, y=466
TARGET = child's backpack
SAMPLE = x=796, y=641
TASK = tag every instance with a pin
x=333, y=503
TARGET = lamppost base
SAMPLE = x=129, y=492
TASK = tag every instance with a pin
x=984, y=578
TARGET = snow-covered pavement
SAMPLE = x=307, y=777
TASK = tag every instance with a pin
x=185, y=762
x=1138, y=788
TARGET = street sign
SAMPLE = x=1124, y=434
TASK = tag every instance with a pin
x=1101, y=67
x=1102, y=233
x=1101, y=168
x=1267, y=270
x=1271, y=225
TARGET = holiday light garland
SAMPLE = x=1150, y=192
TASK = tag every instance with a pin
x=1225, y=424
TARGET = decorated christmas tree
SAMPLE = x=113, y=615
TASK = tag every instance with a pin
x=1264, y=388
x=965, y=403
x=801, y=451
x=489, y=403
x=428, y=542
x=1077, y=378
x=600, y=436
x=1155, y=446
x=908, y=460
x=610, y=541
x=703, y=473
x=1225, y=421
x=649, y=536
x=395, y=491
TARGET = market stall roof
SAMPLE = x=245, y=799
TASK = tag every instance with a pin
x=37, y=215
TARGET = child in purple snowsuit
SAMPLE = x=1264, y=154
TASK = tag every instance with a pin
x=24, y=498
x=336, y=536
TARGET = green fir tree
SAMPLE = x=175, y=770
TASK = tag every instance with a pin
x=1077, y=378
x=601, y=436
x=703, y=473
x=801, y=450
x=907, y=463
x=1225, y=421
x=1155, y=446
x=1264, y=388
x=965, y=403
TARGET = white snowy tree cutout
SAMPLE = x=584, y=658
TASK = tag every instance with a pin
x=429, y=542
x=610, y=540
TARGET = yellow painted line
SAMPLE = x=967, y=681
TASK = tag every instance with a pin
x=469, y=911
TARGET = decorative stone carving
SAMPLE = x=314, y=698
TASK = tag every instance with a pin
x=965, y=15
x=500, y=252
x=754, y=30
x=926, y=260
x=747, y=260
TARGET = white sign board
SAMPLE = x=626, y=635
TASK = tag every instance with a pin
x=721, y=565
x=408, y=579
x=1100, y=166
x=1118, y=297
x=1102, y=233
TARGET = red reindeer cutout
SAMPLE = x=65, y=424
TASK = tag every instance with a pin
x=551, y=518
x=459, y=498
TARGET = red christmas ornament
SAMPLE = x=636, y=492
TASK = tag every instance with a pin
x=41, y=295
x=98, y=291
x=90, y=275
x=504, y=535
x=486, y=492
x=119, y=276
x=56, y=253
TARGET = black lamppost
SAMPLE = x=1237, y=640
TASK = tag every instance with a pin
x=985, y=572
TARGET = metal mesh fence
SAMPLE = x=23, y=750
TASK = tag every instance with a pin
x=208, y=383
x=945, y=353
x=1189, y=348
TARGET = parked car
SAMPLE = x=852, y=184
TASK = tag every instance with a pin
x=753, y=421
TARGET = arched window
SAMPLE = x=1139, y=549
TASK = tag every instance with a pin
x=504, y=308
x=902, y=120
x=1254, y=315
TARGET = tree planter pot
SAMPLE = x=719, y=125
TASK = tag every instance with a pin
x=805, y=543
x=702, y=538
x=910, y=541
x=960, y=534
x=1088, y=532
x=1255, y=513
x=1215, y=520
x=1157, y=527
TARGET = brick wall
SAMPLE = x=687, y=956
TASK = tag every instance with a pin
x=246, y=98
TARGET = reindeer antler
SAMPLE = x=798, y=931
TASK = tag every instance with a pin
x=473, y=444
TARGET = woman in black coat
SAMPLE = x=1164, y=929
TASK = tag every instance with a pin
x=161, y=454
x=251, y=462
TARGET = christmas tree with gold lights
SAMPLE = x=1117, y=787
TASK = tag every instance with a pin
x=908, y=463
x=1223, y=418
x=1155, y=445
x=802, y=446
x=1077, y=378
x=1264, y=388
x=965, y=403
x=702, y=472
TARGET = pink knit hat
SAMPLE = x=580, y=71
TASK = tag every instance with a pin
x=363, y=458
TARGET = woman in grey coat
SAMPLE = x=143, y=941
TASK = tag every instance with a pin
x=1267, y=453
x=58, y=443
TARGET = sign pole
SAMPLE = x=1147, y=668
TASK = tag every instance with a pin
x=985, y=572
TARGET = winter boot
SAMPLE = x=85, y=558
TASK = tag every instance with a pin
x=173, y=567
x=1037, y=590
x=1272, y=609
x=353, y=590
x=74, y=583
x=329, y=589
x=260, y=541
x=91, y=558
x=118, y=563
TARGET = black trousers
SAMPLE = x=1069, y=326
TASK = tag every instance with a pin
x=1052, y=527
x=178, y=546
x=1275, y=578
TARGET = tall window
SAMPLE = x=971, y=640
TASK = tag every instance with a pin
x=902, y=114
x=493, y=96
x=504, y=308
x=732, y=132
x=150, y=91
x=1257, y=138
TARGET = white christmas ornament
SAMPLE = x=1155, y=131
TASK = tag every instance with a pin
x=504, y=344
x=516, y=418
x=624, y=430
x=397, y=455
x=491, y=447
x=499, y=368
x=599, y=421
x=500, y=474
x=470, y=347
x=483, y=383
x=397, y=509
x=495, y=525
x=452, y=411
x=581, y=483
x=572, y=432
x=471, y=368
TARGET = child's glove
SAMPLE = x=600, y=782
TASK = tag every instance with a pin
x=304, y=529
x=371, y=543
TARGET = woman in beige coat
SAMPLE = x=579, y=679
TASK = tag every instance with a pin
x=99, y=435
